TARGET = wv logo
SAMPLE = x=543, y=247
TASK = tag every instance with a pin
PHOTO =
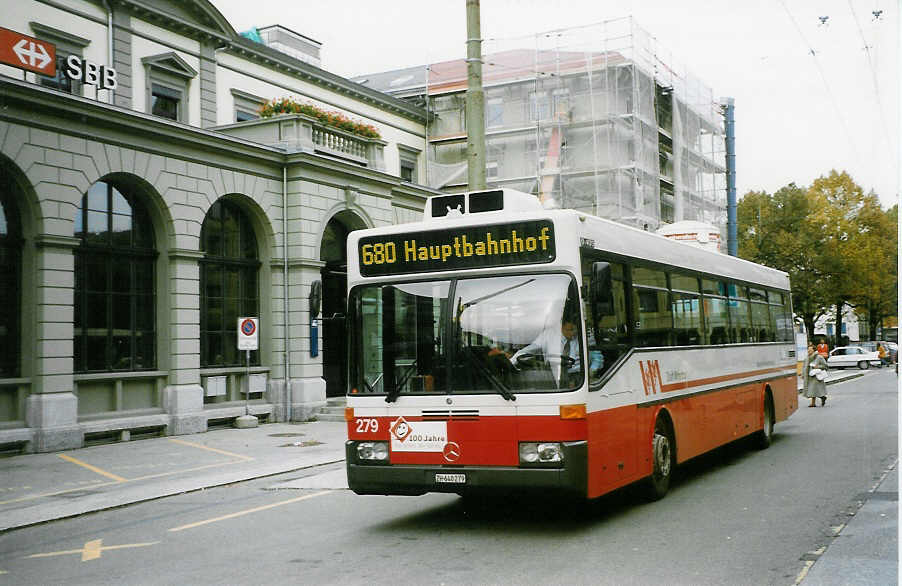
x=651, y=376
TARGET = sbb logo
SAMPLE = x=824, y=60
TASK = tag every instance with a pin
x=78, y=69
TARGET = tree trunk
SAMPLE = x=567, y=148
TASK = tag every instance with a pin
x=839, y=337
x=808, y=318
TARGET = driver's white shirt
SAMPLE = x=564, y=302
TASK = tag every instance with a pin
x=551, y=344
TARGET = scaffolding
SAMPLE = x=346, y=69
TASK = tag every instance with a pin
x=597, y=118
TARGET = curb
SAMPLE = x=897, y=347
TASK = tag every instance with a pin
x=845, y=378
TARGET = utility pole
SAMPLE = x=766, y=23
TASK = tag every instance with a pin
x=729, y=109
x=475, y=101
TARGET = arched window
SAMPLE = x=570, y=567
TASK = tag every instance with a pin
x=115, y=309
x=228, y=284
x=10, y=278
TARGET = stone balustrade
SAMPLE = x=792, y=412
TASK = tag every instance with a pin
x=298, y=132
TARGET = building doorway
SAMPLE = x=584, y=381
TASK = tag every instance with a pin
x=333, y=251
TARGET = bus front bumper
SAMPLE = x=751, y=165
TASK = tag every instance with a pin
x=571, y=479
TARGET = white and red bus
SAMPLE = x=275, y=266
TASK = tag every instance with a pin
x=500, y=346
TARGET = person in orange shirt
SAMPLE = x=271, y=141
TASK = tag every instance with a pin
x=823, y=349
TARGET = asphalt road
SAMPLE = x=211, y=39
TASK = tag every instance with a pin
x=736, y=516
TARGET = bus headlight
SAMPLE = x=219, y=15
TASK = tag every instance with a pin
x=372, y=451
x=541, y=454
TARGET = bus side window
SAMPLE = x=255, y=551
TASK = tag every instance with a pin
x=607, y=334
x=652, y=308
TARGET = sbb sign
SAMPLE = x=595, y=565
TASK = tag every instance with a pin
x=78, y=69
x=27, y=53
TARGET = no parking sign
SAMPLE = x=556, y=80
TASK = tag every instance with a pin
x=248, y=333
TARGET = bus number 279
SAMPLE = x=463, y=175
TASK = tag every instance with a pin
x=367, y=425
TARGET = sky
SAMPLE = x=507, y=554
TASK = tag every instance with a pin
x=810, y=96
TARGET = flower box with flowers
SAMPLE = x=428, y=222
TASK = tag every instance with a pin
x=332, y=119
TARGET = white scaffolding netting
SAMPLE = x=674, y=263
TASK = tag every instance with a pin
x=598, y=118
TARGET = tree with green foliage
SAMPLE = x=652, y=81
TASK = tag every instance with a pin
x=837, y=244
x=873, y=275
x=836, y=201
x=773, y=230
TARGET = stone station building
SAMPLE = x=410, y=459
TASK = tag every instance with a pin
x=137, y=224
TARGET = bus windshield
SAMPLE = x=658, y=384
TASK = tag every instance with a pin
x=503, y=334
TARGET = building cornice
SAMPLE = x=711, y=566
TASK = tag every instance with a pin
x=222, y=35
x=219, y=31
x=248, y=49
x=47, y=101
x=27, y=103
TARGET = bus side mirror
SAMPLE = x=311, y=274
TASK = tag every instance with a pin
x=601, y=289
x=316, y=298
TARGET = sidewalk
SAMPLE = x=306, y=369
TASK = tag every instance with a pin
x=36, y=488
x=865, y=550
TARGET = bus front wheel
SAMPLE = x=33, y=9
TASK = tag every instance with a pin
x=765, y=434
x=663, y=460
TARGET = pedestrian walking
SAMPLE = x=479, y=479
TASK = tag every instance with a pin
x=815, y=377
x=823, y=349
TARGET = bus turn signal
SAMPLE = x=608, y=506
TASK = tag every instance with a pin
x=573, y=411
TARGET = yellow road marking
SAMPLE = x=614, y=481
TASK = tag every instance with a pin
x=101, y=484
x=109, y=475
x=209, y=449
x=249, y=511
x=195, y=469
x=803, y=573
x=92, y=550
x=119, y=479
x=37, y=496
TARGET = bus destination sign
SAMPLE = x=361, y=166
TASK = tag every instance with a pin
x=468, y=247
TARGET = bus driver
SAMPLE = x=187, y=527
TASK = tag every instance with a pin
x=552, y=345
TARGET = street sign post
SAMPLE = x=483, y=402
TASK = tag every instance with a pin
x=27, y=53
x=248, y=339
x=248, y=333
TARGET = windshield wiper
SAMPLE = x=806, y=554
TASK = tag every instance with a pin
x=392, y=396
x=405, y=376
x=499, y=386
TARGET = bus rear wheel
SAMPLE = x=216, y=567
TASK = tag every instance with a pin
x=663, y=460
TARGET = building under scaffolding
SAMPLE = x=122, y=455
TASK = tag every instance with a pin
x=597, y=118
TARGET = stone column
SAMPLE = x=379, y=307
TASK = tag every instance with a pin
x=183, y=398
x=52, y=407
x=308, y=388
x=208, y=86
x=375, y=154
x=276, y=392
x=122, y=57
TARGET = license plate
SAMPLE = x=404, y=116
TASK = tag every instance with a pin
x=451, y=478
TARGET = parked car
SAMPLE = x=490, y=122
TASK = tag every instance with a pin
x=852, y=356
x=892, y=349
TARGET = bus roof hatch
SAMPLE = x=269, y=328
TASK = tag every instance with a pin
x=477, y=202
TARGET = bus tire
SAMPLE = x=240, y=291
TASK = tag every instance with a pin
x=863, y=364
x=765, y=434
x=663, y=455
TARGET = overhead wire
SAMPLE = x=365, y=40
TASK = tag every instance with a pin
x=867, y=50
x=820, y=70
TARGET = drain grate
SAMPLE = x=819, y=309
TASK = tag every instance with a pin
x=305, y=444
